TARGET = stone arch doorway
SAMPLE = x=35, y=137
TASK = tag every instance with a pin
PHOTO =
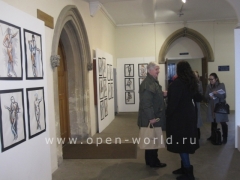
x=70, y=30
x=196, y=37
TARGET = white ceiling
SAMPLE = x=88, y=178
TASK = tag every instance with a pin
x=125, y=12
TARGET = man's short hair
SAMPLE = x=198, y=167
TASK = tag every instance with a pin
x=151, y=65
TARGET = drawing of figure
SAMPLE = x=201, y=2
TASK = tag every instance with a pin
x=129, y=96
x=106, y=108
x=37, y=110
x=143, y=70
x=129, y=83
x=13, y=116
x=129, y=69
x=102, y=110
x=10, y=44
x=35, y=53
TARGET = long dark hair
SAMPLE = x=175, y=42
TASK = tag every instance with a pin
x=186, y=74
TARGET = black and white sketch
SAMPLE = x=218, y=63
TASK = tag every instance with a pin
x=129, y=70
x=141, y=80
x=142, y=70
x=12, y=119
x=101, y=88
x=104, y=67
x=102, y=109
x=10, y=52
x=108, y=72
x=109, y=91
x=100, y=66
x=130, y=97
x=112, y=90
x=129, y=84
x=111, y=72
x=33, y=54
x=36, y=111
x=105, y=87
x=106, y=107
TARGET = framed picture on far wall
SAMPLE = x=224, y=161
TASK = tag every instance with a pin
x=36, y=111
x=12, y=118
x=130, y=97
x=129, y=70
x=142, y=70
x=129, y=84
x=33, y=55
x=10, y=52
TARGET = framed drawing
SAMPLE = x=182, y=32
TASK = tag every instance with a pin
x=33, y=55
x=129, y=70
x=102, y=109
x=130, y=97
x=10, y=52
x=112, y=90
x=109, y=91
x=141, y=80
x=100, y=68
x=111, y=72
x=142, y=70
x=105, y=87
x=104, y=66
x=101, y=88
x=108, y=72
x=36, y=111
x=12, y=119
x=106, y=107
x=129, y=84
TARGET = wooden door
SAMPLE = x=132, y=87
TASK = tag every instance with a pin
x=63, y=95
x=204, y=77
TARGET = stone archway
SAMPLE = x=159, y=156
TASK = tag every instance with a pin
x=191, y=34
x=70, y=29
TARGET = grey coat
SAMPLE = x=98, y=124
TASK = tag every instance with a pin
x=151, y=103
x=212, y=102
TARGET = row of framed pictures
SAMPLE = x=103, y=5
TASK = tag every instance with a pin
x=104, y=108
x=105, y=70
x=129, y=83
x=11, y=64
x=129, y=70
x=12, y=116
x=104, y=90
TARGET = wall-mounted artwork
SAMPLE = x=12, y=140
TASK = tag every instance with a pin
x=102, y=109
x=100, y=66
x=111, y=72
x=106, y=107
x=108, y=72
x=129, y=70
x=142, y=70
x=105, y=87
x=109, y=91
x=36, y=111
x=33, y=55
x=10, y=52
x=130, y=97
x=141, y=80
x=112, y=90
x=12, y=119
x=129, y=84
x=101, y=88
x=104, y=67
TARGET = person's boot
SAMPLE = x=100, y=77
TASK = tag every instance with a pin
x=225, y=132
x=180, y=170
x=213, y=127
x=188, y=174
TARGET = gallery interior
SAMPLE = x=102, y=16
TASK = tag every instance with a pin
x=70, y=74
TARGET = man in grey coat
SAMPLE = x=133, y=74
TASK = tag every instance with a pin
x=151, y=107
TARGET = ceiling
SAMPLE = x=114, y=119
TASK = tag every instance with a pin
x=127, y=12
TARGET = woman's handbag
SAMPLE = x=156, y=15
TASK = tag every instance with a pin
x=151, y=138
x=222, y=108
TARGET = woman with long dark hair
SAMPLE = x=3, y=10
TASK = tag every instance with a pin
x=181, y=122
x=213, y=97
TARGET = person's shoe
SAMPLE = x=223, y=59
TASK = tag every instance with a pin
x=180, y=170
x=224, y=140
x=159, y=165
x=210, y=138
x=188, y=174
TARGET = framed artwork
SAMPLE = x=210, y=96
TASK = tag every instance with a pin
x=105, y=87
x=129, y=70
x=10, y=52
x=129, y=84
x=108, y=72
x=100, y=66
x=142, y=70
x=12, y=118
x=102, y=109
x=112, y=90
x=141, y=80
x=33, y=55
x=111, y=72
x=109, y=91
x=101, y=88
x=104, y=67
x=106, y=107
x=130, y=97
x=36, y=111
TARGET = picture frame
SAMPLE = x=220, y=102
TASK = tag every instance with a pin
x=130, y=97
x=36, y=111
x=106, y=107
x=142, y=70
x=12, y=118
x=109, y=91
x=101, y=88
x=10, y=52
x=129, y=70
x=104, y=67
x=112, y=90
x=109, y=72
x=129, y=84
x=33, y=55
x=105, y=87
x=102, y=109
x=100, y=67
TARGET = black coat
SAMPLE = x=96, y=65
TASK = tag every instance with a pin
x=181, y=119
